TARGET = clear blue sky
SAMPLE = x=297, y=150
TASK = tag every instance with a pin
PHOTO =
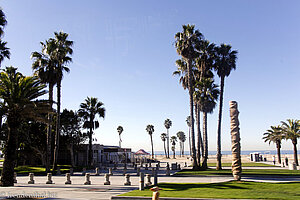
x=124, y=54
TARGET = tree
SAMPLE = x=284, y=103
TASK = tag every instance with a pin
x=274, y=135
x=225, y=62
x=19, y=94
x=207, y=94
x=89, y=110
x=181, y=137
x=186, y=43
x=62, y=52
x=4, y=51
x=163, y=137
x=120, y=131
x=173, y=141
x=150, y=130
x=291, y=130
x=71, y=125
x=188, y=122
x=3, y=21
x=168, y=124
x=44, y=66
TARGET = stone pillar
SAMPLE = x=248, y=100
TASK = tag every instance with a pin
x=83, y=171
x=148, y=179
x=68, y=176
x=235, y=141
x=97, y=171
x=127, y=179
x=87, y=179
x=71, y=171
x=155, y=178
x=292, y=166
x=15, y=177
x=168, y=171
x=58, y=173
x=31, y=178
x=107, y=182
x=110, y=171
x=142, y=181
x=138, y=170
x=49, y=181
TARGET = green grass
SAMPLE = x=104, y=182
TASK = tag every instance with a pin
x=226, y=190
x=1, y=160
x=37, y=170
x=252, y=164
x=250, y=172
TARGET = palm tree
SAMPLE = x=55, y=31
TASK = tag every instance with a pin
x=120, y=131
x=19, y=94
x=3, y=22
x=89, y=110
x=207, y=94
x=181, y=137
x=150, y=130
x=275, y=135
x=173, y=141
x=291, y=131
x=4, y=51
x=188, y=122
x=168, y=124
x=44, y=67
x=163, y=137
x=186, y=43
x=225, y=62
x=62, y=52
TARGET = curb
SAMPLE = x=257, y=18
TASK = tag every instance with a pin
x=163, y=198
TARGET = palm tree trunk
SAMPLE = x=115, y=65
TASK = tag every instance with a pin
x=174, y=154
x=205, y=141
x=183, y=148
x=7, y=176
x=119, y=140
x=190, y=146
x=152, y=147
x=198, y=132
x=191, y=91
x=295, y=151
x=90, y=154
x=165, y=149
x=72, y=154
x=278, y=145
x=168, y=141
x=49, y=129
x=219, y=155
x=57, y=133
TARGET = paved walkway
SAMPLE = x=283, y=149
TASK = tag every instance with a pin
x=97, y=190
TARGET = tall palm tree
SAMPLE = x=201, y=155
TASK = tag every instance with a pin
x=62, y=56
x=275, y=135
x=188, y=122
x=186, y=43
x=225, y=62
x=207, y=94
x=291, y=130
x=120, y=131
x=181, y=137
x=4, y=51
x=173, y=141
x=163, y=137
x=3, y=21
x=19, y=94
x=44, y=67
x=150, y=130
x=168, y=124
x=89, y=110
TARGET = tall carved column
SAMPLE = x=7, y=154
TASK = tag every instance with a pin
x=235, y=141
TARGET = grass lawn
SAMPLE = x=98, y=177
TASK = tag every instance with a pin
x=251, y=172
x=250, y=164
x=37, y=170
x=1, y=160
x=226, y=190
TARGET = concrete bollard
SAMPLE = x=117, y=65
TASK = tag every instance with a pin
x=179, y=168
x=148, y=179
x=31, y=178
x=58, y=173
x=155, y=195
x=107, y=182
x=150, y=164
x=185, y=165
x=142, y=181
x=49, y=176
x=168, y=171
x=127, y=179
x=138, y=171
x=87, y=179
x=292, y=166
x=97, y=171
x=110, y=171
x=71, y=171
x=155, y=181
x=146, y=167
x=68, y=176
x=15, y=177
x=83, y=172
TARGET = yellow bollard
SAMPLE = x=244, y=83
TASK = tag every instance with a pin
x=155, y=191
